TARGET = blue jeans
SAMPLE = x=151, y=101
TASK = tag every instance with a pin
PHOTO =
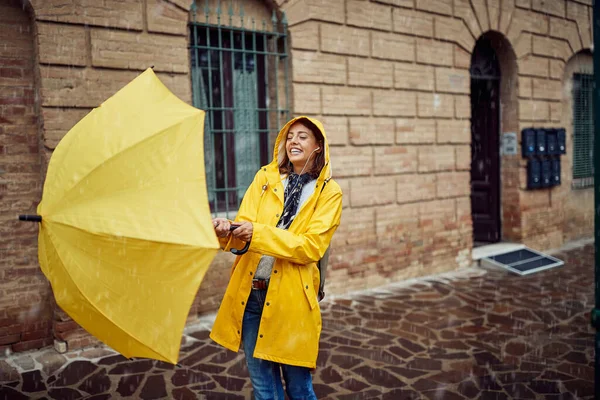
x=266, y=375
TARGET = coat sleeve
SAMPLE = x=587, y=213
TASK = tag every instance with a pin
x=309, y=246
x=248, y=210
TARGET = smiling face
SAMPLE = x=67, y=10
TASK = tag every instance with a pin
x=301, y=147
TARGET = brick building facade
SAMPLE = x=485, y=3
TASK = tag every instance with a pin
x=391, y=81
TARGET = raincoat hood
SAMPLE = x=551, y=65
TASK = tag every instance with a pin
x=279, y=150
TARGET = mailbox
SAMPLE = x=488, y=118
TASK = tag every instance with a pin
x=528, y=142
x=552, y=142
x=561, y=140
x=556, y=171
x=540, y=142
x=547, y=179
x=534, y=174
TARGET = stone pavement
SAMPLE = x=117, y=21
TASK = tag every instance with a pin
x=473, y=334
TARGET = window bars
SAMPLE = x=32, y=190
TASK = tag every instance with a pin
x=583, y=130
x=240, y=78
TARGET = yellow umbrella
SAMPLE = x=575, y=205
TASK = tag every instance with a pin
x=126, y=234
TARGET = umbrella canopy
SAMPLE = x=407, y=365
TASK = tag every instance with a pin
x=126, y=234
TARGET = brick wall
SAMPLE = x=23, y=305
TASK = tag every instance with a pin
x=25, y=298
x=389, y=79
x=558, y=30
x=85, y=56
x=395, y=103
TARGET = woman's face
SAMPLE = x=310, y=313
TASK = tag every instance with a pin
x=301, y=146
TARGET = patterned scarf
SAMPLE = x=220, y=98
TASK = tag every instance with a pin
x=291, y=198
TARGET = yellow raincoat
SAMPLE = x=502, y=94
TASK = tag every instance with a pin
x=290, y=325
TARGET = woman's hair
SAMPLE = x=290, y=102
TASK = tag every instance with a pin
x=318, y=157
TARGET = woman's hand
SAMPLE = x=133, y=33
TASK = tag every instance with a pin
x=222, y=226
x=244, y=231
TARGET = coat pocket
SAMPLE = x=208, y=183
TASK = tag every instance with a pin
x=308, y=285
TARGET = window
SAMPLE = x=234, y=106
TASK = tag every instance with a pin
x=240, y=78
x=583, y=130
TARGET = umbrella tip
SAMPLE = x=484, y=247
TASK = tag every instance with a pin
x=32, y=218
x=152, y=67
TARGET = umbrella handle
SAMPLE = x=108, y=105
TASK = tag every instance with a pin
x=29, y=217
x=242, y=250
x=239, y=252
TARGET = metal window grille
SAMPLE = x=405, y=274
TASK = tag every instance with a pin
x=240, y=78
x=583, y=130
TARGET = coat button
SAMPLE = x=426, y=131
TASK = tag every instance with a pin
x=250, y=273
x=307, y=286
x=268, y=303
x=275, y=190
x=243, y=302
x=274, y=271
x=277, y=215
x=261, y=336
x=238, y=331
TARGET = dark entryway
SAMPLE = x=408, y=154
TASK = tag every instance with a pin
x=485, y=149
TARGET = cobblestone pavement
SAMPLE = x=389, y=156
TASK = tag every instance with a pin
x=473, y=334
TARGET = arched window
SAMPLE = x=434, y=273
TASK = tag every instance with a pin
x=240, y=74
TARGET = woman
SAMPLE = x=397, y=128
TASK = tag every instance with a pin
x=289, y=214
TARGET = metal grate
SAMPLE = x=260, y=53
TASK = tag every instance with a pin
x=522, y=261
x=240, y=77
x=583, y=130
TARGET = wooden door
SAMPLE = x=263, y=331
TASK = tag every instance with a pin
x=485, y=148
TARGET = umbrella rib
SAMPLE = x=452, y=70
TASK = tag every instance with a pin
x=126, y=150
x=100, y=311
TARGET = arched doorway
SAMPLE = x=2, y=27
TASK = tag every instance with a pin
x=485, y=136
